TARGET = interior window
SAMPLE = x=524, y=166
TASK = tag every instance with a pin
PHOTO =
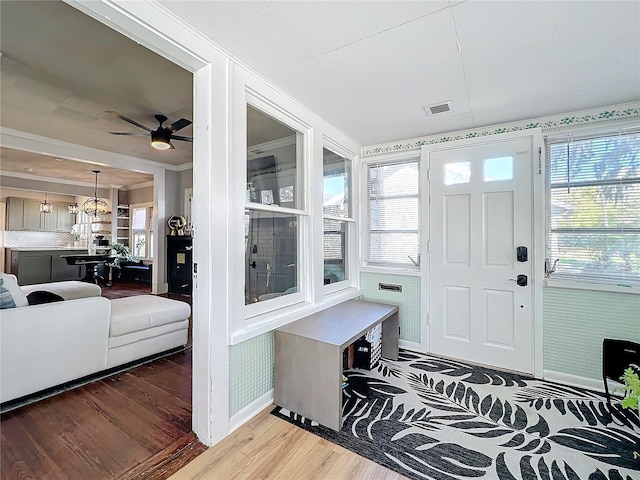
x=273, y=162
x=274, y=182
x=337, y=216
x=272, y=253
x=594, y=207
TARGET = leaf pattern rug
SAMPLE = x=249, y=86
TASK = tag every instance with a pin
x=432, y=418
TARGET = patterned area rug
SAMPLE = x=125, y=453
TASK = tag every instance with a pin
x=431, y=418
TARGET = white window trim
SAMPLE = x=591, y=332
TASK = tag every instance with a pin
x=263, y=311
x=352, y=254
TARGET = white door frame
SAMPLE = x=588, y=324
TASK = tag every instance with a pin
x=153, y=26
x=538, y=232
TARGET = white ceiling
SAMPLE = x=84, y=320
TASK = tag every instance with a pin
x=367, y=67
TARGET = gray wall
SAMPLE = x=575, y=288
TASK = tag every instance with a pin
x=140, y=195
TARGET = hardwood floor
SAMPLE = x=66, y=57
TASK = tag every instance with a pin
x=132, y=425
x=270, y=448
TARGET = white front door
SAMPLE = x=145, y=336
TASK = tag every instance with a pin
x=480, y=213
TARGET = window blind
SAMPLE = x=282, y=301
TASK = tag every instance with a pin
x=594, y=207
x=139, y=219
x=393, y=213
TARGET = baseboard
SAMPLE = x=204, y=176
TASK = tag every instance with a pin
x=574, y=380
x=250, y=411
x=413, y=346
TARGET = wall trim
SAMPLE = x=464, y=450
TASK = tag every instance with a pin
x=250, y=411
x=581, y=118
x=574, y=380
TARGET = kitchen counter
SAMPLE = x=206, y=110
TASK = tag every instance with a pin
x=43, y=264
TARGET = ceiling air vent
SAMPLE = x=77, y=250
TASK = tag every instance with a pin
x=439, y=108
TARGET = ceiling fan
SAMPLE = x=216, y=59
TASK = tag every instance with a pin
x=162, y=136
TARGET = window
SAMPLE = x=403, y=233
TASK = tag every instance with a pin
x=594, y=207
x=141, y=232
x=338, y=221
x=273, y=209
x=393, y=214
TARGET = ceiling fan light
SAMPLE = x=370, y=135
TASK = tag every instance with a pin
x=160, y=141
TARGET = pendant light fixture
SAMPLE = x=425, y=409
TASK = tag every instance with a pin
x=95, y=206
x=45, y=207
x=73, y=208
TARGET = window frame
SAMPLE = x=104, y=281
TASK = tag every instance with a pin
x=384, y=268
x=148, y=231
x=591, y=282
x=253, y=311
x=350, y=246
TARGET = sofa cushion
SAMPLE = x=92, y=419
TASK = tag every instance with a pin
x=40, y=296
x=69, y=290
x=132, y=314
x=11, y=296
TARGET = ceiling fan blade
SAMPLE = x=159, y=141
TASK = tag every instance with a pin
x=175, y=126
x=130, y=133
x=180, y=137
x=133, y=122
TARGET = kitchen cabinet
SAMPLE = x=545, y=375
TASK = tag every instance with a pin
x=65, y=220
x=24, y=214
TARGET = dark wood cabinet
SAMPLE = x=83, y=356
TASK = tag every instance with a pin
x=179, y=263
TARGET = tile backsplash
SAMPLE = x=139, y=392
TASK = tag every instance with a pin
x=18, y=238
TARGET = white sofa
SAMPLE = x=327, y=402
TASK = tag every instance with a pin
x=42, y=346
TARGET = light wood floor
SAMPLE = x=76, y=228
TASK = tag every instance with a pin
x=270, y=448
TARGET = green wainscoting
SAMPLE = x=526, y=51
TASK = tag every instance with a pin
x=408, y=300
x=576, y=321
x=250, y=371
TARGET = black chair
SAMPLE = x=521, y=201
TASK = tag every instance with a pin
x=617, y=355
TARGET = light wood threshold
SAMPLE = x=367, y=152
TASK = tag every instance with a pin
x=268, y=447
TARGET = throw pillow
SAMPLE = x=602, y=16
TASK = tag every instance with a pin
x=11, y=295
x=40, y=296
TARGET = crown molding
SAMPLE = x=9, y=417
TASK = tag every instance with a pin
x=582, y=118
x=138, y=185
x=183, y=167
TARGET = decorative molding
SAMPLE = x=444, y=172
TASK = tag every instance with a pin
x=594, y=116
x=250, y=411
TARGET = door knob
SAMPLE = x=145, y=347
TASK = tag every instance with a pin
x=521, y=280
